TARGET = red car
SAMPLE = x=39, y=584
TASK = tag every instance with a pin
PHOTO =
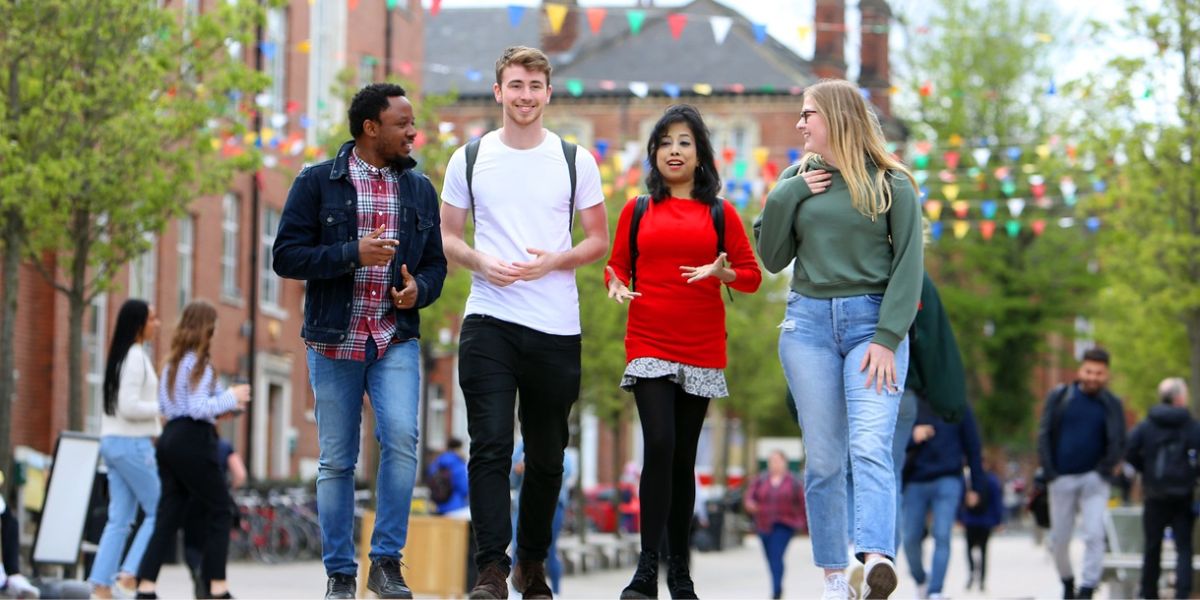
x=601, y=514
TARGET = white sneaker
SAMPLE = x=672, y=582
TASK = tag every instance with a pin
x=837, y=588
x=20, y=587
x=880, y=579
x=854, y=574
x=922, y=591
x=937, y=596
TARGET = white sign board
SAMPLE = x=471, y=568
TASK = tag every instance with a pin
x=68, y=492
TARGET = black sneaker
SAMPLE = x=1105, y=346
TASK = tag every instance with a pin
x=341, y=586
x=529, y=578
x=644, y=584
x=1068, y=589
x=1085, y=592
x=386, y=580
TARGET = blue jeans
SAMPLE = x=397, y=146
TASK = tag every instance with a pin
x=905, y=420
x=775, y=546
x=941, y=496
x=132, y=481
x=821, y=345
x=392, y=382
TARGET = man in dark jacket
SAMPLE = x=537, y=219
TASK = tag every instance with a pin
x=933, y=486
x=1081, y=439
x=1164, y=448
x=362, y=231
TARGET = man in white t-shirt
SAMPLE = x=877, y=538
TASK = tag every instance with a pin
x=521, y=331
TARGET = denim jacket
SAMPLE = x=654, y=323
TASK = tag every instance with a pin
x=318, y=242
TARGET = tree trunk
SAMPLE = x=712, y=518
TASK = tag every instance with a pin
x=1193, y=330
x=11, y=245
x=78, y=299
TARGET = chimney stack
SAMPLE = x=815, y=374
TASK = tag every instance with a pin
x=829, y=59
x=875, y=74
x=564, y=40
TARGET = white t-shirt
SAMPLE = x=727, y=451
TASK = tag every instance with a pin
x=521, y=201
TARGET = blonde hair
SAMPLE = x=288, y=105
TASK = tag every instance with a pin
x=193, y=334
x=855, y=137
x=532, y=59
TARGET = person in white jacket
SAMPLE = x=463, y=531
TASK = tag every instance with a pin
x=128, y=427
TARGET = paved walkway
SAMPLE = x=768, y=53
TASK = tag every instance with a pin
x=1018, y=569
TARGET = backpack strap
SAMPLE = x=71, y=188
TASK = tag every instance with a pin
x=472, y=154
x=639, y=208
x=569, y=152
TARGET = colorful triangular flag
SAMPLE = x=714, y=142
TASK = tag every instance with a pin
x=720, y=28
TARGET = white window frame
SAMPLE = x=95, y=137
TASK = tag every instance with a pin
x=231, y=216
x=186, y=249
x=270, y=285
x=276, y=32
x=143, y=272
x=326, y=58
x=94, y=336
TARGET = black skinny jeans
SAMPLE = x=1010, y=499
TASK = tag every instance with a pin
x=188, y=469
x=977, y=537
x=498, y=360
x=671, y=423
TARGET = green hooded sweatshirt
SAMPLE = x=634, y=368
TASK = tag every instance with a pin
x=840, y=252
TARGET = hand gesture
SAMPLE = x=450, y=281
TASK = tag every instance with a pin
x=406, y=297
x=716, y=269
x=241, y=393
x=543, y=262
x=880, y=364
x=921, y=433
x=972, y=499
x=818, y=180
x=374, y=251
x=617, y=290
x=497, y=272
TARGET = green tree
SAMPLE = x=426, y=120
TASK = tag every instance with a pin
x=980, y=77
x=1150, y=307
x=119, y=110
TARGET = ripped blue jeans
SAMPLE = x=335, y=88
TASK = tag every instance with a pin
x=821, y=345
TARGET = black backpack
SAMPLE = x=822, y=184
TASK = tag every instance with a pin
x=642, y=204
x=441, y=485
x=1170, y=466
x=568, y=153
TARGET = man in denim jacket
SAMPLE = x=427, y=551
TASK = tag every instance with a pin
x=363, y=230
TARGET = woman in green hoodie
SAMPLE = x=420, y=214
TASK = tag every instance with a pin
x=848, y=216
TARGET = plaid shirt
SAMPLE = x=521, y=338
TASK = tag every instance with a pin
x=783, y=504
x=371, y=315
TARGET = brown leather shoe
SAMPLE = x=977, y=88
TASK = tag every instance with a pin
x=529, y=578
x=492, y=584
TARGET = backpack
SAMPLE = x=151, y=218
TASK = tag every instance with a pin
x=642, y=204
x=568, y=149
x=441, y=485
x=1170, y=465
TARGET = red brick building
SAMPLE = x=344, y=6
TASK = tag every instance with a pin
x=221, y=250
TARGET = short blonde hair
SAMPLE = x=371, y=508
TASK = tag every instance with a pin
x=531, y=58
x=855, y=137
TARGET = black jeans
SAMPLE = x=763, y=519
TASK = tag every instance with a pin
x=1158, y=513
x=10, y=541
x=187, y=466
x=498, y=360
x=977, y=537
x=672, y=420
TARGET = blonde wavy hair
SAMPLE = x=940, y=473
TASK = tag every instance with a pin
x=193, y=334
x=855, y=138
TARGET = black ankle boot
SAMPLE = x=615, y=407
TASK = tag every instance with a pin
x=645, y=578
x=1068, y=589
x=679, y=578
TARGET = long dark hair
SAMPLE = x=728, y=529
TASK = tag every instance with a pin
x=707, y=183
x=131, y=321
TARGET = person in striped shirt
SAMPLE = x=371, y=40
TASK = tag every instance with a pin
x=191, y=399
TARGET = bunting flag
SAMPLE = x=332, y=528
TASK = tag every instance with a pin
x=988, y=208
x=761, y=154
x=961, y=228
x=595, y=17
x=720, y=28
x=557, y=13
x=1012, y=228
x=702, y=89
x=639, y=88
x=951, y=158
x=435, y=7
x=635, y=18
x=1016, y=206
x=1068, y=189
x=803, y=32
x=515, y=13
x=933, y=208
x=575, y=87
x=1038, y=227
x=981, y=156
x=987, y=229
x=760, y=32
x=671, y=90
x=677, y=21
x=304, y=47
x=961, y=208
x=950, y=192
